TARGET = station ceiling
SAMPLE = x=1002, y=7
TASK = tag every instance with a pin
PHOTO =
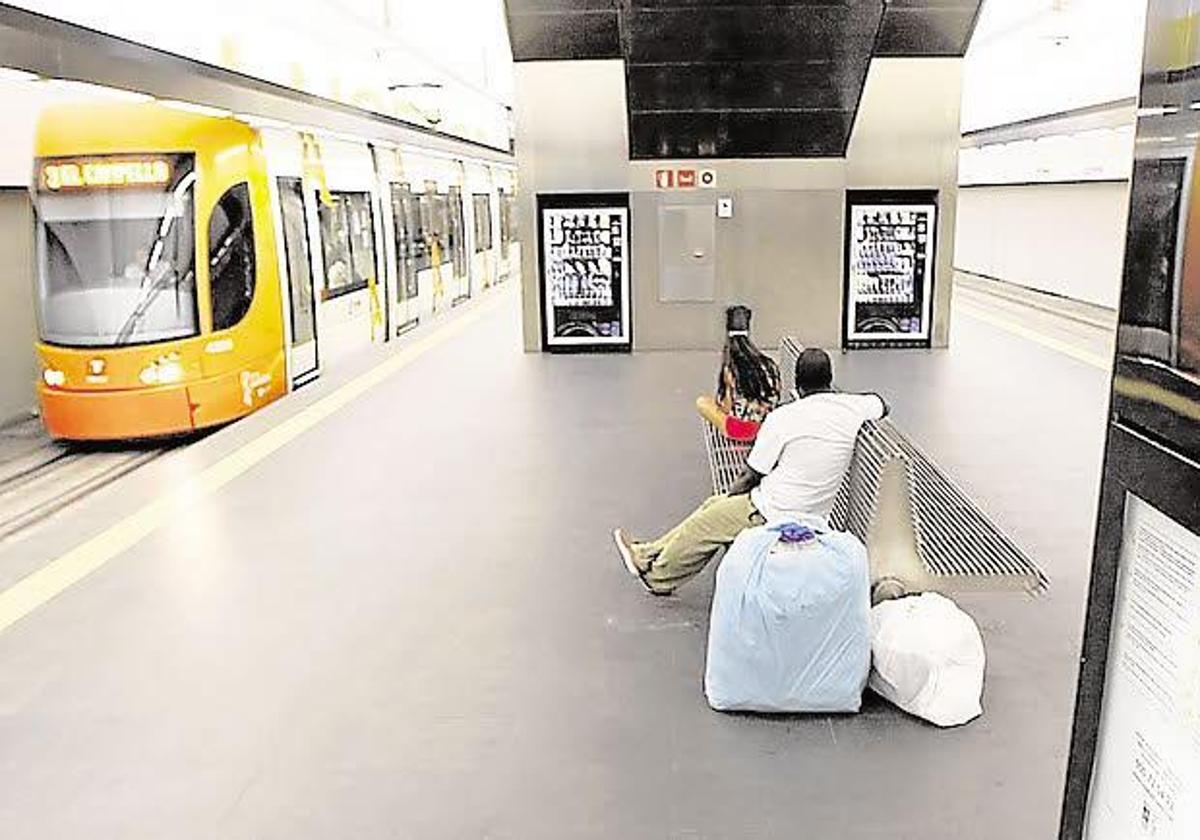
x=740, y=78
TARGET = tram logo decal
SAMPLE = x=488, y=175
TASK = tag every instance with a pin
x=254, y=386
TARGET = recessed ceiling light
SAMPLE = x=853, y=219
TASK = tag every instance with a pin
x=73, y=85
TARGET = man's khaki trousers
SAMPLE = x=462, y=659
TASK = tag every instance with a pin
x=682, y=552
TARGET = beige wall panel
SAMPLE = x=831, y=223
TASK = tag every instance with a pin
x=781, y=253
x=18, y=370
x=570, y=137
x=906, y=135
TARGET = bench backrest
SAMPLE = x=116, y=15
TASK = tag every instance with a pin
x=919, y=528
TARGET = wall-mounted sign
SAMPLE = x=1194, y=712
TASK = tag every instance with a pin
x=724, y=208
x=1146, y=781
x=684, y=178
x=583, y=246
x=889, y=266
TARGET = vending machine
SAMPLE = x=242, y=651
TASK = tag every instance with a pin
x=889, y=266
x=583, y=256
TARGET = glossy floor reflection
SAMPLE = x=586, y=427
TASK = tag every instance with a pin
x=410, y=622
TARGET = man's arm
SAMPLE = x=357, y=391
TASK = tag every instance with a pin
x=745, y=482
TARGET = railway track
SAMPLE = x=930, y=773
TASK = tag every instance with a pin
x=39, y=476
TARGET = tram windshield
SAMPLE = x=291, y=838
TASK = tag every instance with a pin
x=116, y=251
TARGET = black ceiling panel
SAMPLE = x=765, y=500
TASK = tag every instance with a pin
x=734, y=85
x=740, y=78
x=564, y=29
x=751, y=33
x=716, y=78
x=927, y=28
x=739, y=134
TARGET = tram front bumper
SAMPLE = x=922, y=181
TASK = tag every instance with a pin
x=115, y=415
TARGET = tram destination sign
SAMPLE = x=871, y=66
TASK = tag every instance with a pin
x=60, y=175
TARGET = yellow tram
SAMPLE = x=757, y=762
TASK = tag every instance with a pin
x=158, y=294
x=186, y=263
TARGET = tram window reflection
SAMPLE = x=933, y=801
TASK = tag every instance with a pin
x=483, y=222
x=231, y=257
x=347, y=242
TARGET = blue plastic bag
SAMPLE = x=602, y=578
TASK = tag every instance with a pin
x=790, y=629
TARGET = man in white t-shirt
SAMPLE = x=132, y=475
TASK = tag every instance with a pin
x=793, y=473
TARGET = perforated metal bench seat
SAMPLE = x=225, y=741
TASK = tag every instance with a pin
x=912, y=518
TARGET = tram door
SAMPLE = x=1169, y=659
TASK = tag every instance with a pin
x=302, y=354
x=461, y=290
x=406, y=223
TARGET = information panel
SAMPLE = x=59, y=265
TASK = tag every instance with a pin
x=889, y=269
x=583, y=242
x=1146, y=781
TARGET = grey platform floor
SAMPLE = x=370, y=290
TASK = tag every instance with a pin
x=409, y=622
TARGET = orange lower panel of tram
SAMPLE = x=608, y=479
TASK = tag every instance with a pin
x=159, y=411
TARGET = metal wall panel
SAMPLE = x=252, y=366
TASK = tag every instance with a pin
x=687, y=239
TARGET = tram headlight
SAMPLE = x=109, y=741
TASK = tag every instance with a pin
x=54, y=377
x=164, y=370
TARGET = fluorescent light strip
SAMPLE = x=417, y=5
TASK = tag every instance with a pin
x=262, y=122
x=74, y=85
x=193, y=108
x=12, y=74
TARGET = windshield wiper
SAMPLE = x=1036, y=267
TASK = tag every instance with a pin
x=154, y=263
x=168, y=280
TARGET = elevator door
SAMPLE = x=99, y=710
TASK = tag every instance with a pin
x=686, y=242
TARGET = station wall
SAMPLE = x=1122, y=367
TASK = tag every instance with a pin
x=1065, y=239
x=782, y=252
x=18, y=369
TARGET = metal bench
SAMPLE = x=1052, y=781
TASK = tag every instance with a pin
x=789, y=352
x=921, y=531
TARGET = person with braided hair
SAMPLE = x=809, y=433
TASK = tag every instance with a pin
x=747, y=385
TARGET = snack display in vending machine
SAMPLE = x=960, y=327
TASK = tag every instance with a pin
x=889, y=268
x=583, y=242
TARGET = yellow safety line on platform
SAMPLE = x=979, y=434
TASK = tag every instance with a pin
x=31, y=592
x=1078, y=353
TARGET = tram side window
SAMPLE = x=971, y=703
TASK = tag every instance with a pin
x=406, y=225
x=508, y=217
x=483, y=222
x=347, y=242
x=505, y=209
x=416, y=229
x=231, y=257
x=437, y=225
x=456, y=231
